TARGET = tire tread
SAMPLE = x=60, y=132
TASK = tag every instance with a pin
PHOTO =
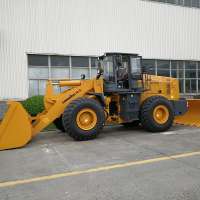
x=69, y=123
x=146, y=114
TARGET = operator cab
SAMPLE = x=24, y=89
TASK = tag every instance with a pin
x=121, y=72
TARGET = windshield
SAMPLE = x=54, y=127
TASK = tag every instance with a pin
x=107, y=65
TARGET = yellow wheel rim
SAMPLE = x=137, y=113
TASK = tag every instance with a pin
x=86, y=119
x=161, y=114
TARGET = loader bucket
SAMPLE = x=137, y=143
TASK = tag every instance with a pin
x=192, y=116
x=15, y=127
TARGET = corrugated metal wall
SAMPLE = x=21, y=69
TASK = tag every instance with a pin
x=90, y=27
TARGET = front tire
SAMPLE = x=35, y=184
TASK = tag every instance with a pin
x=157, y=114
x=83, y=119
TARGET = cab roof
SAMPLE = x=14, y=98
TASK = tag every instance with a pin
x=118, y=53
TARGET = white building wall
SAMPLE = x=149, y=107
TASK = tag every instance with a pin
x=91, y=27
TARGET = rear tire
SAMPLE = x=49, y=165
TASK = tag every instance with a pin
x=157, y=114
x=83, y=119
x=59, y=124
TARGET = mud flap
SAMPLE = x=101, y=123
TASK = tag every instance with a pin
x=15, y=127
x=192, y=116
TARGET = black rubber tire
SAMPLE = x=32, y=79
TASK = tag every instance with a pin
x=135, y=123
x=69, y=119
x=59, y=124
x=146, y=114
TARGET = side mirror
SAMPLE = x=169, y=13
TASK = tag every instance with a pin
x=82, y=76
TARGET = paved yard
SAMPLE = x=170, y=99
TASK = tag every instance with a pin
x=122, y=164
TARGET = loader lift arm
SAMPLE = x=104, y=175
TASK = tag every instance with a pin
x=18, y=127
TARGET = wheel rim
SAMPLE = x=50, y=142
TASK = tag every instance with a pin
x=86, y=119
x=161, y=114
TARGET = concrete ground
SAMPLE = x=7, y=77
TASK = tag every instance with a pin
x=122, y=164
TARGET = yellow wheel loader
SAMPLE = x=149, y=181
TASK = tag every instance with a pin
x=121, y=93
